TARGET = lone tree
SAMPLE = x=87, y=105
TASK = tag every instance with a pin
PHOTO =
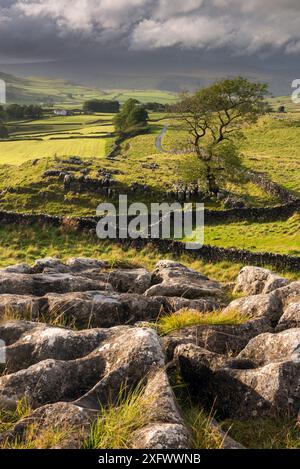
x=217, y=113
x=133, y=116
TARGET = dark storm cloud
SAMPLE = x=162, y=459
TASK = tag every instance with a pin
x=197, y=34
x=29, y=27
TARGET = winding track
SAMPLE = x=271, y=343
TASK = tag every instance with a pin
x=158, y=140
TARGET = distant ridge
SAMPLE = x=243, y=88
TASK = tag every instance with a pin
x=59, y=91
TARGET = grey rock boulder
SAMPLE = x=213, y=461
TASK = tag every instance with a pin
x=165, y=428
x=266, y=306
x=51, y=263
x=173, y=279
x=270, y=390
x=22, y=306
x=104, y=309
x=288, y=294
x=18, y=269
x=130, y=280
x=73, y=422
x=81, y=264
x=123, y=359
x=42, y=342
x=40, y=284
x=256, y=280
x=220, y=339
x=270, y=348
x=290, y=317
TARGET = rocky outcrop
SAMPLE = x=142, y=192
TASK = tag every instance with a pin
x=260, y=377
x=126, y=357
x=87, y=293
x=69, y=375
x=268, y=348
x=270, y=390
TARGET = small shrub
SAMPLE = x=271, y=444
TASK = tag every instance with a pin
x=69, y=225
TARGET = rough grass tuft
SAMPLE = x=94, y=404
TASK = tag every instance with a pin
x=189, y=317
x=8, y=418
x=115, y=425
x=36, y=438
x=265, y=433
x=204, y=434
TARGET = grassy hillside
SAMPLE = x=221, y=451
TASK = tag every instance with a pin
x=19, y=244
x=90, y=137
x=273, y=146
x=63, y=93
x=281, y=237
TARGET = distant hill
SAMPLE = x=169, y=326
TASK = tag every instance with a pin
x=60, y=92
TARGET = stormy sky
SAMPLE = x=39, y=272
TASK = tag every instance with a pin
x=152, y=43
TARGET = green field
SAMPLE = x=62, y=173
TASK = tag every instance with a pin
x=285, y=101
x=81, y=135
x=281, y=237
x=90, y=137
x=14, y=152
x=144, y=96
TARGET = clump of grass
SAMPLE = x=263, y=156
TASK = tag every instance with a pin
x=56, y=318
x=204, y=434
x=8, y=418
x=115, y=425
x=36, y=438
x=10, y=314
x=265, y=433
x=189, y=317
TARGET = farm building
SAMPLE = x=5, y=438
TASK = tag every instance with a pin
x=61, y=112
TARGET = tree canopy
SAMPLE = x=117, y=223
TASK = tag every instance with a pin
x=17, y=111
x=101, y=105
x=133, y=115
x=3, y=131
